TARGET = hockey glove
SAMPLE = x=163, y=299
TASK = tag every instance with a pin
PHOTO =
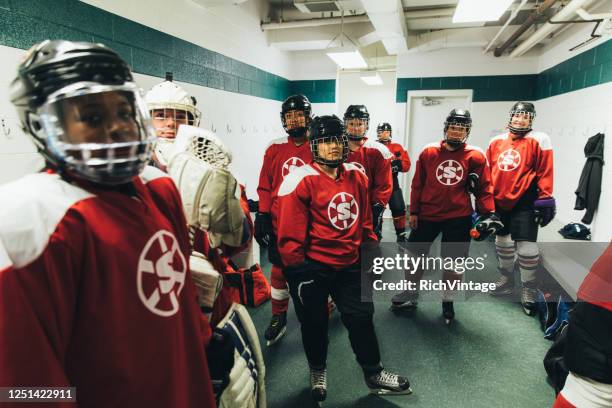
x=545, y=211
x=263, y=229
x=220, y=356
x=377, y=212
x=396, y=166
x=473, y=184
x=485, y=226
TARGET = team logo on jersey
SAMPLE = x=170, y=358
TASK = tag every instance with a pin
x=291, y=164
x=359, y=167
x=509, y=160
x=343, y=211
x=449, y=172
x=161, y=274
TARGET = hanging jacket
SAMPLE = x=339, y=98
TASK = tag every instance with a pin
x=589, y=186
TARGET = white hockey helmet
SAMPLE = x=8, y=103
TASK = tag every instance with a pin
x=168, y=95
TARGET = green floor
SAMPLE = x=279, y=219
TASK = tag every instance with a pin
x=491, y=356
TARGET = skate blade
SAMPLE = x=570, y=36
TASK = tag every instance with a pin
x=403, y=306
x=382, y=391
x=448, y=321
x=501, y=294
x=276, y=340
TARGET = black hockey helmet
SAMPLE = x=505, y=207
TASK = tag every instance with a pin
x=458, y=118
x=383, y=127
x=357, y=112
x=524, y=108
x=299, y=103
x=57, y=79
x=325, y=129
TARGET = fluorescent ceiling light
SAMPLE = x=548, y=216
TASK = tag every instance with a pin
x=348, y=59
x=468, y=11
x=371, y=79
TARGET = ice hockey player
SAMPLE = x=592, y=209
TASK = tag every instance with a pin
x=171, y=106
x=220, y=226
x=446, y=173
x=95, y=286
x=400, y=163
x=281, y=157
x=324, y=217
x=521, y=162
x=371, y=157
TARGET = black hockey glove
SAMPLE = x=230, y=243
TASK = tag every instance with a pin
x=396, y=166
x=377, y=212
x=263, y=229
x=473, y=183
x=220, y=356
x=545, y=211
x=486, y=225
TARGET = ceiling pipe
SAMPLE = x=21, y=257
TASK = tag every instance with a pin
x=531, y=20
x=567, y=12
x=506, y=24
x=360, y=18
x=315, y=22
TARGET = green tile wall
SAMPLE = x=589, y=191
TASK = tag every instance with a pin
x=148, y=51
x=486, y=88
x=592, y=67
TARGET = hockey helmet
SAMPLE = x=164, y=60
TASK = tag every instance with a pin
x=521, y=119
x=327, y=130
x=79, y=104
x=458, y=119
x=293, y=126
x=356, y=122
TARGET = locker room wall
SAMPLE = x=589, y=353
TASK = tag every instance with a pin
x=378, y=99
x=245, y=123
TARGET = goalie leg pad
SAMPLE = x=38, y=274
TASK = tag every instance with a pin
x=247, y=377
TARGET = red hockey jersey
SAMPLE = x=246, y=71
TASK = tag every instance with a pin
x=324, y=219
x=281, y=157
x=516, y=164
x=439, y=190
x=95, y=293
x=399, y=153
x=373, y=158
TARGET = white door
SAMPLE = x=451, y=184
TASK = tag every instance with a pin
x=425, y=124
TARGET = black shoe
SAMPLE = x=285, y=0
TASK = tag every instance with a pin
x=386, y=383
x=529, y=293
x=504, y=285
x=407, y=300
x=318, y=384
x=276, y=329
x=448, y=311
x=401, y=237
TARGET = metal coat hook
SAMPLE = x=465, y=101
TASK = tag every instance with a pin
x=255, y=130
x=243, y=128
x=229, y=130
x=212, y=127
x=6, y=129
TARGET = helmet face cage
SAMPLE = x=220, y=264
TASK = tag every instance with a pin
x=100, y=133
x=292, y=128
x=211, y=151
x=519, y=110
x=365, y=122
x=342, y=140
x=296, y=103
x=457, y=123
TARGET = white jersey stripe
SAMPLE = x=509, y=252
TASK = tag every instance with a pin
x=35, y=206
